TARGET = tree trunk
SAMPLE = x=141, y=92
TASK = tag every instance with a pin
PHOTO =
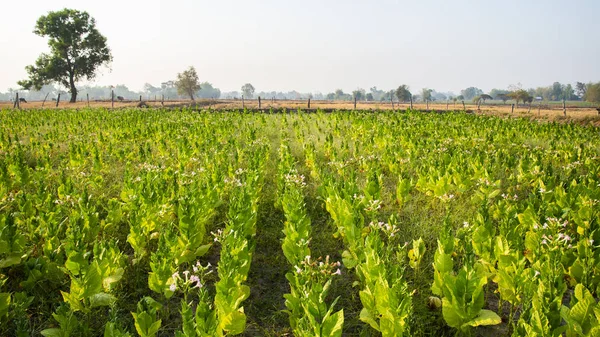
x=73, y=90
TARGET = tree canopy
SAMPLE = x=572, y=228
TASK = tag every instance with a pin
x=592, y=93
x=403, y=93
x=77, y=50
x=187, y=82
x=471, y=93
x=248, y=90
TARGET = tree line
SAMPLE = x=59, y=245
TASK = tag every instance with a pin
x=78, y=50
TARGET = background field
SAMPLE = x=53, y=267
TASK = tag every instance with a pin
x=581, y=112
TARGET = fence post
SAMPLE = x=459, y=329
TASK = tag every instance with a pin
x=140, y=98
x=58, y=100
x=112, y=99
x=259, y=102
x=411, y=107
x=44, y=102
x=427, y=104
x=447, y=105
x=243, y=103
x=16, y=101
x=464, y=107
x=354, y=103
x=564, y=107
x=88, y=99
x=540, y=109
x=512, y=108
x=309, y=103
x=392, y=101
x=162, y=100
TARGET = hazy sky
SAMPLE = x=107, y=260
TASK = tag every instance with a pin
x=323, y=45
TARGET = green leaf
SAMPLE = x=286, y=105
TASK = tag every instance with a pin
x=349, y=260
x=4, y=303
x=202, y=250
x=367, y=317
x=101, y=300
x=234, y=323
x=485, y=317
x=10, y=260
x=145, y=325
x=332, y=326
x=54, y=332
x=451, y=315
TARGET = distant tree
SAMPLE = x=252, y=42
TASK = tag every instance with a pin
x=496, y=92
x=187, y=82
x=330, y=96
x=593, y=92
x=460, y=97
x=482, y=98
x=580, y=89
x=503, y=97
x=208, y=91
x=519, y=95
x=358, y=94
x=248, y=90
x=77, y=50
x=438, y=96
x=471, y=93
x=568, y=92
x=403, y=93
x=370, y=97
x=426, y=94
x=149, y=89
x=556, y=92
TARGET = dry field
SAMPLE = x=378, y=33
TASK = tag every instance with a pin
x=545, y=112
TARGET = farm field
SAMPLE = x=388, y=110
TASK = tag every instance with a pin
x=578, y=112
x=150, y=222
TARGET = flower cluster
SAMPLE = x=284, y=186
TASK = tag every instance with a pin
x=190, y=280
x=233, y=182
x=386, y=228
x=554, y=233
x=219, y=235
x=319, y=267
x=508, y=197
x=373, y=205
x=296, y=179
x=447, y=197
x=149, y=167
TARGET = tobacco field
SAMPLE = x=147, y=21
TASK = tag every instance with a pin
x=184, y=223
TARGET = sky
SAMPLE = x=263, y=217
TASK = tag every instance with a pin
x=323, y=45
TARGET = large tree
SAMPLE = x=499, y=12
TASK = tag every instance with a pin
x=471, y=93
x=403, y=93
x=593, y=92
x=77, y=50
x=248, y=90
x=581, y=89
x=187, y=82
x=426, y=94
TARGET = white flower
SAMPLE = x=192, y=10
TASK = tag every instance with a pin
x=465, y=224
x=338, y=272
x=591, y=241
x=173, y=287
x=537, y=273
x=298, y=270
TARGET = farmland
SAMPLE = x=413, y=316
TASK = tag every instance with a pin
x=158, y=222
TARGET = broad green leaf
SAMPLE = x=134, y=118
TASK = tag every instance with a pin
x=485, y=317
